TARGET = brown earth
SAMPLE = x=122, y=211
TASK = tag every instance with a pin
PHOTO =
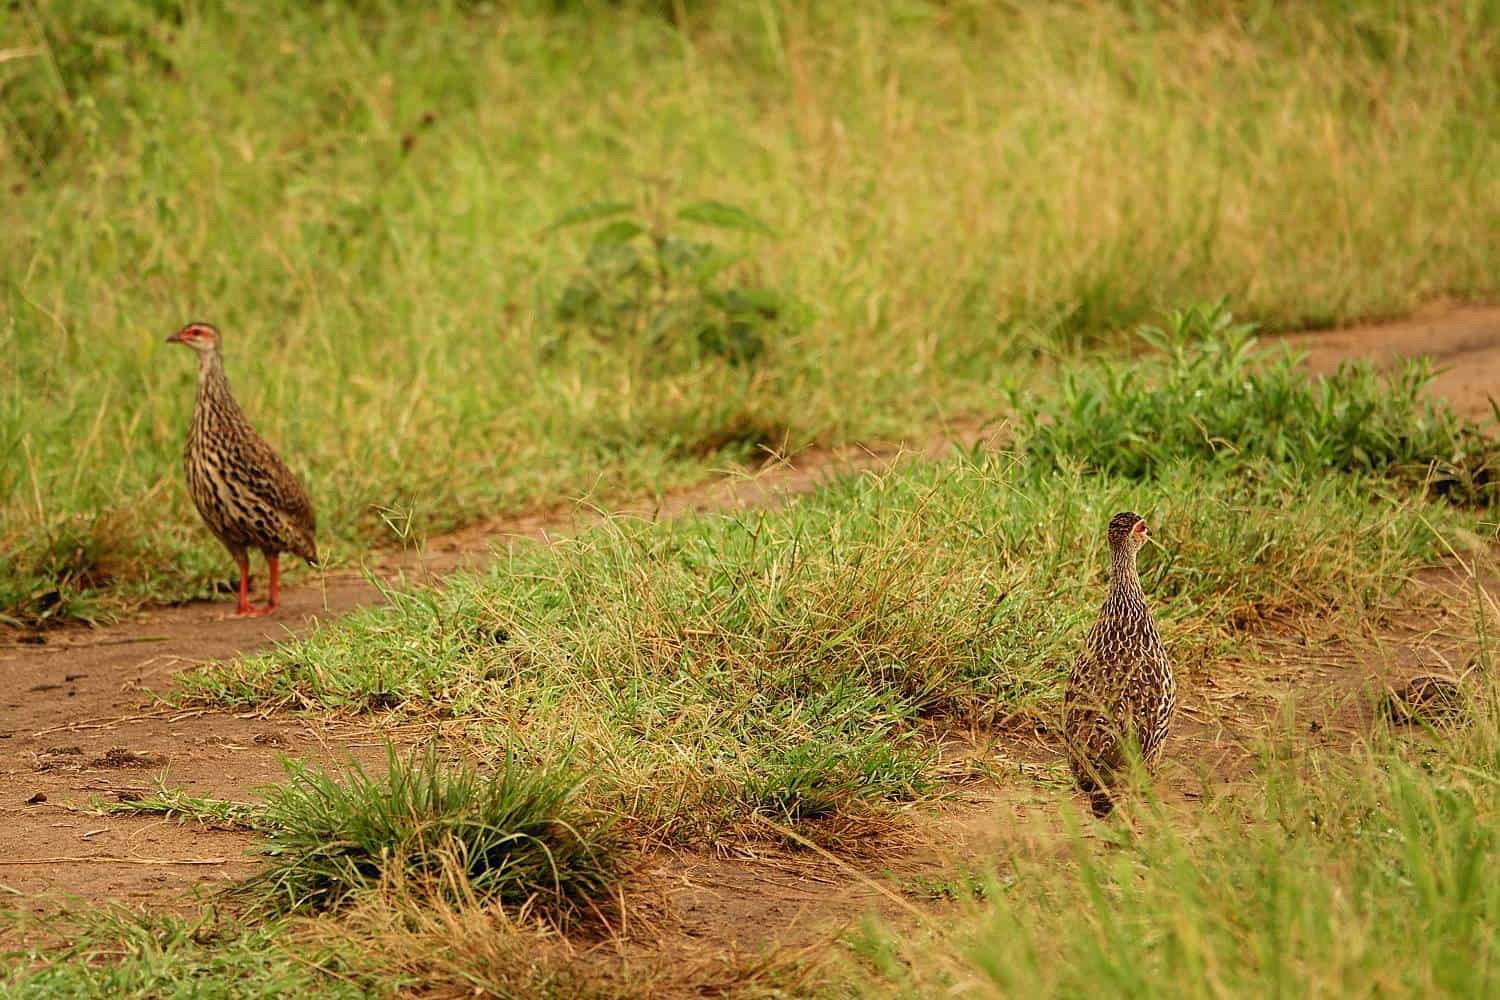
x=80, y=719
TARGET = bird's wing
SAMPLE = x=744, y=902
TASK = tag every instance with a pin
x=274, y=482
x=1090, y=705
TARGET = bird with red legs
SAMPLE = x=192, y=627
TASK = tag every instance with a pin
x=244, y=491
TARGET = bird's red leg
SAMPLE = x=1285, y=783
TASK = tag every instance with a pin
x=244, y=608
x=275, y=602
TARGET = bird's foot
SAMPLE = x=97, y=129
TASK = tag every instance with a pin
x=247, y=611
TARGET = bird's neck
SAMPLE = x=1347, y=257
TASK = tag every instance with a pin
x=214, y=404
x=211, y=372
x=1124, y=580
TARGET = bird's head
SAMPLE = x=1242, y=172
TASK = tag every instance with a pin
x=201, y=337
x=1128, y=532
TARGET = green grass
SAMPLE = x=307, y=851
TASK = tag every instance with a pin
x=787, y=664
x=359, y=194
x=431, y=875
x=780, y=223
x=1334, y=876
x=513, y=836
x=113, y=953
x=677, y=683
x=1203, y=395
x=174, y=803
x=388, y=943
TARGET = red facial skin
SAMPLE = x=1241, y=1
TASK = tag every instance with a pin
x=193, y=332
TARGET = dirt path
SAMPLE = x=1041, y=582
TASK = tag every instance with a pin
x=79, y=719
x=1464, y=343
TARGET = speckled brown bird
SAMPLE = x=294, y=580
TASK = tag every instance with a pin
x=244, y=491
x=1121, y=686
x=1425, y=699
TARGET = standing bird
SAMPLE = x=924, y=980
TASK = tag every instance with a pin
x=244, y=491
x=1121, y=686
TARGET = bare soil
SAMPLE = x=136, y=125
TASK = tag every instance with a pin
x=80, y=719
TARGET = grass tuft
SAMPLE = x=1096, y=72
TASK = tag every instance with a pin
x=174, y=803
x=514, y=837
x=112, y=952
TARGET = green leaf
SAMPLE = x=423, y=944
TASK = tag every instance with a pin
x=588, y=213
x=576, y=302
x=759, y=302
x=619, y=231
x=610, y=260
x=723, y=216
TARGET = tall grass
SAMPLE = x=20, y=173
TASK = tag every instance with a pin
x=357, y=194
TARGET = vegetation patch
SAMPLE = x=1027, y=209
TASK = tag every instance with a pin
x=116, y=952
x=360, y=195
x=787, y=663
x=477, y=257
x=658, y=292
x=1204, y=395
x=174, y=803
x=514, y=836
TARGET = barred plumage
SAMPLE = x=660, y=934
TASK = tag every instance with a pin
x=1121, y=686
x=244, y=491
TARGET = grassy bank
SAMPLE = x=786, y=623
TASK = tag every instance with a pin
x=679, y=684
x=360, y=195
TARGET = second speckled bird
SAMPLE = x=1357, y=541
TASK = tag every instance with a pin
x=1121, y=686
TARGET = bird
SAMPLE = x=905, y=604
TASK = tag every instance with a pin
x=1120, y=687
x=244, y=491
x=1425, y=698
